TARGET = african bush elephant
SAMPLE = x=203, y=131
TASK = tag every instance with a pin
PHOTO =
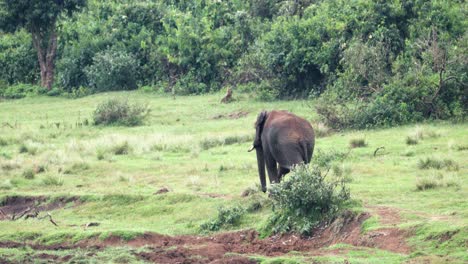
x=282, y=140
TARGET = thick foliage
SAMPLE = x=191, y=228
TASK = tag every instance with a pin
x=20, y=90
x=304, y=200
x=373, y=63
x=120, y=112
x=18, y=59
x=112, y=70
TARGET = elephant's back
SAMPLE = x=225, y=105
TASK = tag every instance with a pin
x=291, y=138
x=290, y=127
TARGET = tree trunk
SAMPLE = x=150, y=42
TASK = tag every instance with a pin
x=46, y=56
x=50, y=60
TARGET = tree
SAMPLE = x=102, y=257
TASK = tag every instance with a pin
x=39, y=18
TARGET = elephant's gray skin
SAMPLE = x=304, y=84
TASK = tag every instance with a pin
x=282, y=140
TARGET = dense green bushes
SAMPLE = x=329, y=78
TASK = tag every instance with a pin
x=373, y=63
x=20, y=90
x=18, y=59
x=112, y=70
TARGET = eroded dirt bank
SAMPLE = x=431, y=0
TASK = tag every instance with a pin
x=215, y=249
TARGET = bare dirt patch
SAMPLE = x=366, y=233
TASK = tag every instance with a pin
x=235, y=247
x=15, y=207
x=233, y=115
x=387, y=215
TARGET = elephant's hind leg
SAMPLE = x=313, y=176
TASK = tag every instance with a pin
x=271, y=168
x=282, y=171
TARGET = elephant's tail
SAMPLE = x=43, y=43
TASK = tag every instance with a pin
x=306, y=152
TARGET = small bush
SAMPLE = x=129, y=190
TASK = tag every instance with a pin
x=120, y=112
x=425, y=183
x=23, y=148
x=433, y=163
x=229, y=140
x=3, y=142
x=100, y=154
x=28, y=174
x=210, y=143
x=408, y=153
x=54, y=92
x=76, y=167
x=357, y=143
x=40, y=168
x=29, y=148
x=436, y=180
x=421, y=133
x=6, y=185
x=52, y=181
x=227, y=217
x=304, y=200
x=462, y=147
x=9, y=165
x=122, y=148
x=411, y=140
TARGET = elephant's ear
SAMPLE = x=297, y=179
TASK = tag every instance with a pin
x=259, y=127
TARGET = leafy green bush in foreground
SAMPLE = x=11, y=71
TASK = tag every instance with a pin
x=304, y=200
x=226, y=217
x=120, y=112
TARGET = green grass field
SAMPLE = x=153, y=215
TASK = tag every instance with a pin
x=197, y=149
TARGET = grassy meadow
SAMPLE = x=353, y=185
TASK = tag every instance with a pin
x=197, y=149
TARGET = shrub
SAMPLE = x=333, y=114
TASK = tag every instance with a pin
x=28, y=174
x=28, y=147
x=357, y=143
x=9, y=165
x=76, y=167
x=226, y=217
x=411, y=140
x=420, y=133
x=54, y=92
x=425, y=183
x=306, y=199
x=120, y=112
x=112, y=70
x=52, y=181
x=4, y=142
x=436, y=180
x=433, y=163
x=211, y=142
x=6, y=185
x=462, y=147
x=122, y=148
x=20, y=90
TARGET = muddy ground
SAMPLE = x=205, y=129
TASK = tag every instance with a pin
x=231, y=247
